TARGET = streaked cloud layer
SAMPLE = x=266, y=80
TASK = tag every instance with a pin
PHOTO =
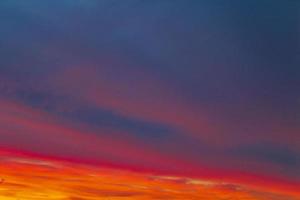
x=28, y=178
x=200, y=89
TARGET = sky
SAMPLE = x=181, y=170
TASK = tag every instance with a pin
x=200, y=89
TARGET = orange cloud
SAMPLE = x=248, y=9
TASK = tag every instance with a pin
x=31, y=178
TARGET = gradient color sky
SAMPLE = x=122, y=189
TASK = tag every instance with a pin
x=207, y=89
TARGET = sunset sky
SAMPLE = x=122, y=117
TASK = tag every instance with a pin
x=190, y=92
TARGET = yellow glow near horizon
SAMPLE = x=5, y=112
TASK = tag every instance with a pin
x=31, y=179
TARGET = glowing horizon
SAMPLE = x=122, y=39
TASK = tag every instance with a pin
x=23, y=177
